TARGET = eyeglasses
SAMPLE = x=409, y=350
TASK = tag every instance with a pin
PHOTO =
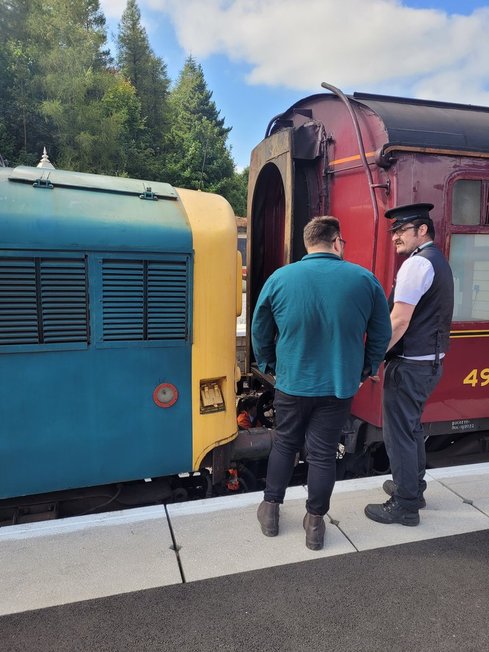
x=343, y=242
x=403, y=228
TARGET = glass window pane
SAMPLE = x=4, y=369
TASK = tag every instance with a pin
x=469, y=259
x=466, y=205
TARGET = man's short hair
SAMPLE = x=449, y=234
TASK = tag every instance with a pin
x=322, y=229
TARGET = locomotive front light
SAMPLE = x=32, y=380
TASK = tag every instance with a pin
x=165, y=395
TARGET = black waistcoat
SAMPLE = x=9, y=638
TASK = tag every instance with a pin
x=429, y=329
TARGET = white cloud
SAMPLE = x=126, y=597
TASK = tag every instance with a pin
x=113, y=8
x=352, y=43
x=381, y=45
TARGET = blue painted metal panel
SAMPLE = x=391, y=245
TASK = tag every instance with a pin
x=73, y=418
x=81, y=219
x=95, y=182
x=82, y=418
x=76, y=413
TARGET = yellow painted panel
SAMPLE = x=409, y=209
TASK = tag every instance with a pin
x=215, y=305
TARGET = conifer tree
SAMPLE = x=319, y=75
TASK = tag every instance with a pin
x=56, y=78
x=59, y=89
x=74, y=63
x=146, y=72
x=197, y=154
x=19, y=82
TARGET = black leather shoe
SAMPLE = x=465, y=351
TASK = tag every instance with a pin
x=389, y=487
x=391, y=512
x=315, y=529
x=268, y=514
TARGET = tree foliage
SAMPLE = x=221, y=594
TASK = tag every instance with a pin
x=235, y=189
x=61, y=89
x=146, y=72
x=197, y=155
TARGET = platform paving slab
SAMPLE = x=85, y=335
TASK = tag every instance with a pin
x=471, y=483
x=446, y=513
x=89, y=557
x=219, y=538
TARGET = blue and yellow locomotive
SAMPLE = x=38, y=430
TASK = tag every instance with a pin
x=118, y=304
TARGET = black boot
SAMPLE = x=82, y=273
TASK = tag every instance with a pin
x=315, y=529
x=268, y=514
x=390, y=489
x=392, y=512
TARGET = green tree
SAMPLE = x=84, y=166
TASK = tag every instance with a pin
x=146, y=72
x=235, y=189
x=17, y=94
x=93, y=128
x=197, y=155
x=134, y=158
x=56, y=74
x=59, y=89
x=19, y=82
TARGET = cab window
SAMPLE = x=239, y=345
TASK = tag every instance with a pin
x=469, y=249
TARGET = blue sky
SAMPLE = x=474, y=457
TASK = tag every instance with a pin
x=260, y=56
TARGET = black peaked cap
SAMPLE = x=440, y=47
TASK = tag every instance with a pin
x=407, y=213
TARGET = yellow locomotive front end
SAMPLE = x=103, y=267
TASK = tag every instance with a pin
x=216, y=304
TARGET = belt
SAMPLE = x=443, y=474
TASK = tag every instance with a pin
x=424, y=363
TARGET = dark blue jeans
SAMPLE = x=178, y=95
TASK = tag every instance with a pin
x=407, y=387
x=313, y=421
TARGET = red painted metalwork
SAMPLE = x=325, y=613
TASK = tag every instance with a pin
x=405, y=167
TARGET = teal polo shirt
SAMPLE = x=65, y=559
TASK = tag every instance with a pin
x=321, y=325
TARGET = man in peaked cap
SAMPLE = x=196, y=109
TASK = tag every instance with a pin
x=421, y=306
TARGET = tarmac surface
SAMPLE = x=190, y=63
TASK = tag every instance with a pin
x=201, y=576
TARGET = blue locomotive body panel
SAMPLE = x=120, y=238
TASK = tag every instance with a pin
x=101, y=425
x=95, y=313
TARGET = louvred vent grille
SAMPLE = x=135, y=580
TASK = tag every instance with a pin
x=145, y=300
x=43, y=301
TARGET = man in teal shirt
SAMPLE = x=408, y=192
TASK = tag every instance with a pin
x=322, y=326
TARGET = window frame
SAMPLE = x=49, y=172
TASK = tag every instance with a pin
x=466, y=229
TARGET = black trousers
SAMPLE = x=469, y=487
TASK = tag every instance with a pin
x=315, y=422
x=407, y=387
